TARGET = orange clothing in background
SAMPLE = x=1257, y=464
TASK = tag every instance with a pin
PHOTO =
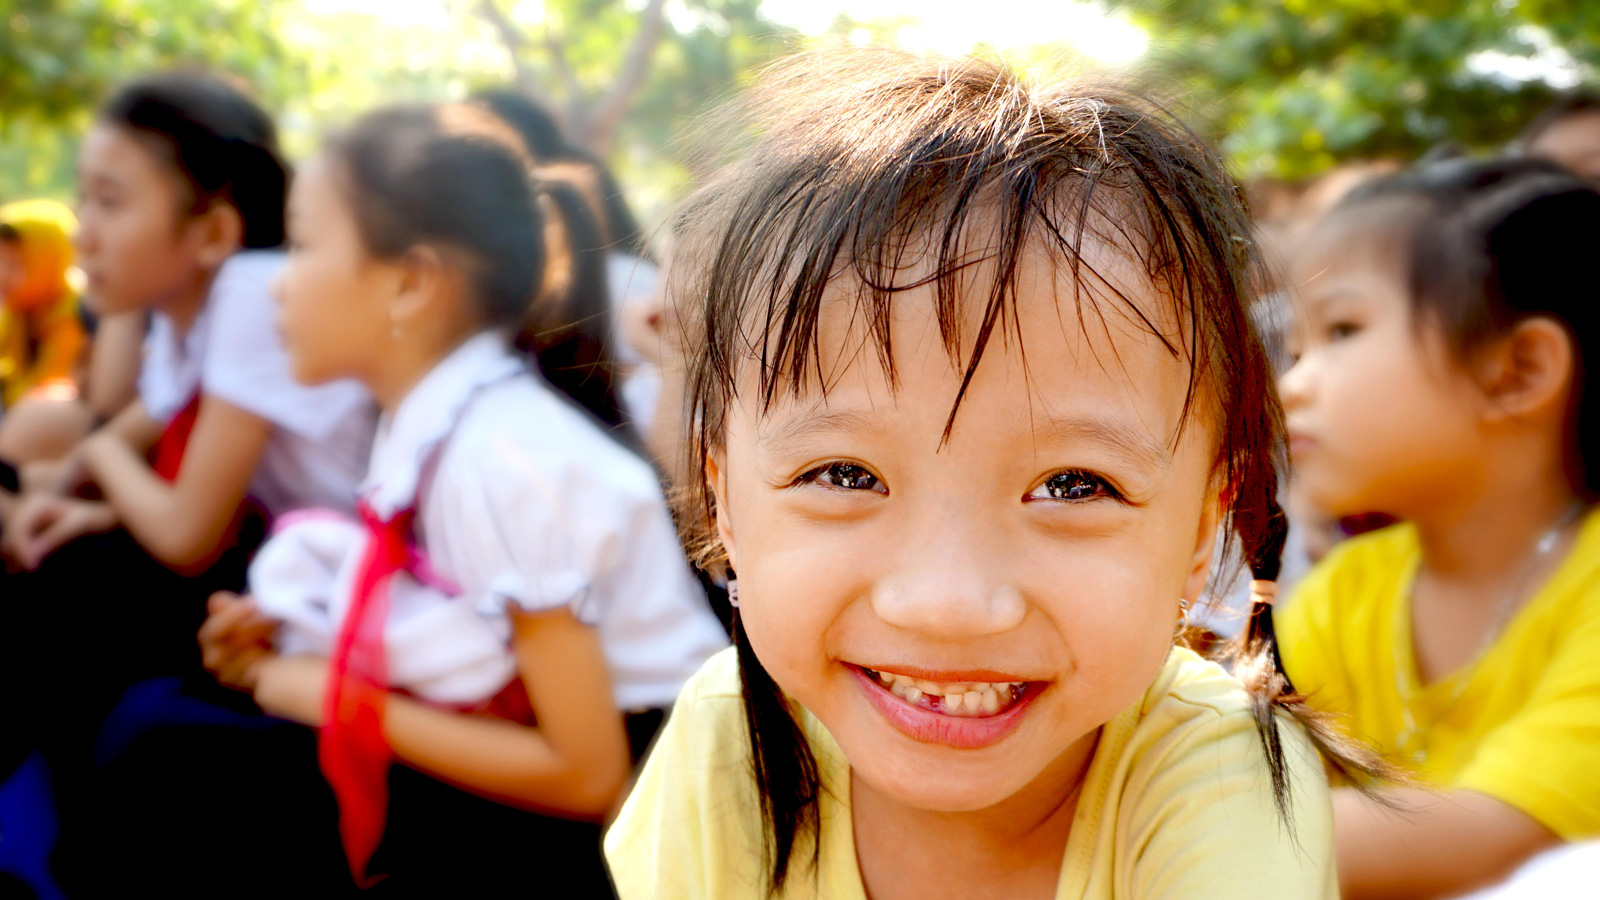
x=41, y=334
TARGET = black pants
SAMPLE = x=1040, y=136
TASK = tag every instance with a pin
x=97, y=616
x=232, y=803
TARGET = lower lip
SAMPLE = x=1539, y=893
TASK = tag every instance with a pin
x=1300, y=444
x=959, y=732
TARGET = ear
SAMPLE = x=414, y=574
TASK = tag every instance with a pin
x=420, y=274
x=219, y=232
x=1526, y=373
x=1205, y=544
x=717, y=477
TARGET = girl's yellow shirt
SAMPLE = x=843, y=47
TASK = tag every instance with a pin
x=1177, y=804
x=1521, y=724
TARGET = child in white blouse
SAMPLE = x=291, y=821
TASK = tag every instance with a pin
x=516, y=582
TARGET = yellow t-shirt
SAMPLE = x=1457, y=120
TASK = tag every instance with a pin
x=1177, y=804
x=1521, y=725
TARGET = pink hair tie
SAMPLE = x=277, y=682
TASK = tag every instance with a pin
x=1263, y=592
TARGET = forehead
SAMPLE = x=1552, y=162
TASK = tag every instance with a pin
x=113, y=153
x=1370, y=239
x=1097, y=339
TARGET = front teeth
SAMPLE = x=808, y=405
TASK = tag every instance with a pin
x=970, y=698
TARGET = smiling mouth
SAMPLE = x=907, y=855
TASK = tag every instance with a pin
x=964, y=699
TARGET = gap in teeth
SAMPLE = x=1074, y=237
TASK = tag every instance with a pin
x=966, y=698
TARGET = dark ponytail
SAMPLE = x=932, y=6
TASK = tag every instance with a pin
x=568, y=328
x=223, y=146
x=1262, y=529
x=781, y=760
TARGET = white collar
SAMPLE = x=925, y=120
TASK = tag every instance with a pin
x=408, y=438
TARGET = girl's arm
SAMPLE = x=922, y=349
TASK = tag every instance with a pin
x=113, y=371
x=574, y=763
x=1432, y=845
x=182, y=523
x=132, y=426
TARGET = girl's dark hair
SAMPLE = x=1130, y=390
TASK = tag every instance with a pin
x=1490, y=243
x=568, y=328
x=542, y=135
x=864, y=160
x=456, y=177
x=221, y=143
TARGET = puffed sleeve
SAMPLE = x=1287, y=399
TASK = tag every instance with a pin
x=526, y=530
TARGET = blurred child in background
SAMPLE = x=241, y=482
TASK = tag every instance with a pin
x=180, y=218
x=1445, y=375
x=41, y=334
x=514, y=614
x=973, y=391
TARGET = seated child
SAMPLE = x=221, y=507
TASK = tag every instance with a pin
x=1444, y=377
x=514, y=586
x=973, y=386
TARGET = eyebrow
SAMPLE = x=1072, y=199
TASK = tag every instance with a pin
x=805, y=425
x=1109, y=434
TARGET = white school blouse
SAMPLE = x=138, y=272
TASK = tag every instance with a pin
x=320, y=435
x=521, y=503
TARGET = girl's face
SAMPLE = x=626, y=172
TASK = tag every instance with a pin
x=332, y=294
x=135, y=244
x=1380, y=419
x=1030, y=566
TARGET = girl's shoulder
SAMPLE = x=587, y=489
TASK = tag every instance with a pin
x=1184, y=773
x=521, y=431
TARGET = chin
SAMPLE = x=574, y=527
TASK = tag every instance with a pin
x=943, y=788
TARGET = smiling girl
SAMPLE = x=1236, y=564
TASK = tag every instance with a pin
x=974, y=389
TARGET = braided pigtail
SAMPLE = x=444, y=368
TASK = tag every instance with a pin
x=1259, y=667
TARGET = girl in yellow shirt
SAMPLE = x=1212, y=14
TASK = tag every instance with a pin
x=1446, y=336
x=973, y=391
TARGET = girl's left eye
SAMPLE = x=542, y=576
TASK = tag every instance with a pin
x=845, y=477
x=1073, y=487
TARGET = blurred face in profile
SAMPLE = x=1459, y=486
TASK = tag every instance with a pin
x=137, y=244
x=1574, y=142
x=332, y=294
x=1380, y=417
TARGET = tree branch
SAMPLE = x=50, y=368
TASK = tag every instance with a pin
x=515, y=42
x=608, y=112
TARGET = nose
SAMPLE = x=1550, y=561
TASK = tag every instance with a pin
x=1294, y=385
x=950, y=581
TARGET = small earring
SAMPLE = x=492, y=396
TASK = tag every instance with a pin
x=733, y=592
x=1183, y=614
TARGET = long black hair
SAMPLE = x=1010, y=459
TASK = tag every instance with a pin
x=221, y=144
x=862, y=158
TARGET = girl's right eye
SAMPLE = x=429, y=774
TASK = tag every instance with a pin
x=843, y=476
x=1338, y=331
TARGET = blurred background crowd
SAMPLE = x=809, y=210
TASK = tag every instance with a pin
x=1307, y=101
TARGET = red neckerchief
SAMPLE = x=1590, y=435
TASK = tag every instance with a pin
x=166, y=458
x=353, y=751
